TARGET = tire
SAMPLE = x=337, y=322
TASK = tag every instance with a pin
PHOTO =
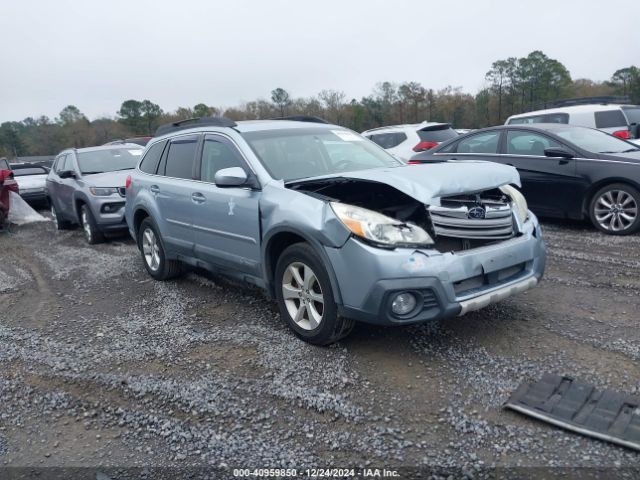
x=310, y=309
x=153, y=255
x=89, y=227
x=615, y=209
x=58, y=222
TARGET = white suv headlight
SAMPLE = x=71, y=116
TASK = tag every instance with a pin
x=519, y=202
x=380, y=228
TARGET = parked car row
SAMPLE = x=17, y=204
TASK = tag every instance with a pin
x=332, y=226
x=566, y=171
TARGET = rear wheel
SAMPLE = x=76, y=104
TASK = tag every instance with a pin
x=153, y=254
x=58, y=221
x=305, y=297
x=89, y=227
x=614, y=209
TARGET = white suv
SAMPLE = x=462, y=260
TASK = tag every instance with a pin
x=622, y=121
x=404, y=141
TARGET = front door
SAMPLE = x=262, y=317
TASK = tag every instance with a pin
x=226, y=220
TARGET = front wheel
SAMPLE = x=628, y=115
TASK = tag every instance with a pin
x=89, y=227
x=153, y=254
x=614, y=209
x=305, y=298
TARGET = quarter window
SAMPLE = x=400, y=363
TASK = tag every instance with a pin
x=388, y=140
x=610, y=119
x=480, y=143
x=151, y=159
x=180, y=157
x=216, y=155
x=526, y=143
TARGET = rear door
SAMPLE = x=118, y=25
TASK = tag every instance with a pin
x=551, y=185
x=173, y=189
x=226, y=219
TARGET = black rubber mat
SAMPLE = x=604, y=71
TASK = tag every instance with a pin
x=580, y=407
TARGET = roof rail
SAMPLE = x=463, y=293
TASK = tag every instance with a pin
x=194, y=122
x=569, y=102
x=303, y=118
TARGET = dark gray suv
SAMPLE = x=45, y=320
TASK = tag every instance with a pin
x=330, y=224
x=86, y=187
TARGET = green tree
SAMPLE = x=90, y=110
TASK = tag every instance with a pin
x=130, y=114
x=71, y=114
x=151, y=112
x=280, y=97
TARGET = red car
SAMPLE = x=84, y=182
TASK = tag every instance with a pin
x=7, y=184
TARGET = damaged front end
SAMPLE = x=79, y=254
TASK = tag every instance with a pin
x=458, y=252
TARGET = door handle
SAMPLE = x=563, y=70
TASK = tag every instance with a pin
x=197, y=197
x=154, y=189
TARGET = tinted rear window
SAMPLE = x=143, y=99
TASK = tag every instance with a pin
x=610, y=119
x=180, y=157
x=150, y=161
x=388, y=140
x=632, y=113
x=437, y=135
x=546, y=118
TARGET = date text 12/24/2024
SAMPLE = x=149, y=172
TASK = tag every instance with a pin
x=316, y=472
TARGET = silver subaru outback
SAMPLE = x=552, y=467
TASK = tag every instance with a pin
x=329, y=224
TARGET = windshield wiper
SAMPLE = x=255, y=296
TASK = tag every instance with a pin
x=121, y=169
x=90, y=173
x=631, y=150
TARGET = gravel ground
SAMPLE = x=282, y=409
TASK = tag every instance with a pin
x=101, y=366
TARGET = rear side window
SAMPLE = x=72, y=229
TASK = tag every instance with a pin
x=388, y=140
x=151, y=159
x=480, y=143
x=610, y=119
x=180, y=156
x=437, y=135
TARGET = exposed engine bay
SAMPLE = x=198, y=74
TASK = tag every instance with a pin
x=460, y=222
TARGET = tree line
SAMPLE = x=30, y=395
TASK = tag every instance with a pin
x=512, y=85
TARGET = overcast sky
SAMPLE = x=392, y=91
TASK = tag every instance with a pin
x=96, y=54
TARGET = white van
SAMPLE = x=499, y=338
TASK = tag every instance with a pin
x=622, y=121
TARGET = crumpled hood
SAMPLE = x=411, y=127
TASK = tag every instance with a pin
x=428, y=182
x=107, y=179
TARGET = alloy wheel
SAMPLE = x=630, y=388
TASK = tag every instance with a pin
x=616, y=210
x=303, y=296
x=151, y=249
x=86, y=226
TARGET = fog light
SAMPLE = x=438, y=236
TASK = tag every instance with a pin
x=403, y=303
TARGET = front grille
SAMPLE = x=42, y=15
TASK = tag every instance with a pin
x=429, y=299
x=454, y=221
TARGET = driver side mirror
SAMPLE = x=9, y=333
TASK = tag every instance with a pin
x=67, y=174
x=231, y=177
x=557, y=152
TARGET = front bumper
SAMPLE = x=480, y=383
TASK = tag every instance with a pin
x=109, y=213
x=444, y=284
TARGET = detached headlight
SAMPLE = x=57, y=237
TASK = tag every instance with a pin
x=522, y=209
x=380, y=228
x=103, y=191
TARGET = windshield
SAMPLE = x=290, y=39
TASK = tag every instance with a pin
x=99, y=161
x=594, y=140
x=21, y=172
x=297, y=153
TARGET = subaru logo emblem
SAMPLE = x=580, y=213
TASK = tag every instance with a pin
x=476, y=212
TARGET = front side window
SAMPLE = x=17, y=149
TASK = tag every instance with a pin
x=61, y=163
x=526, y=143
x=594, y=140
x=610, y=119
x=180, y=157
x=480, y=143
x=107, y=160
x=290, y=154
x=217, y=154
